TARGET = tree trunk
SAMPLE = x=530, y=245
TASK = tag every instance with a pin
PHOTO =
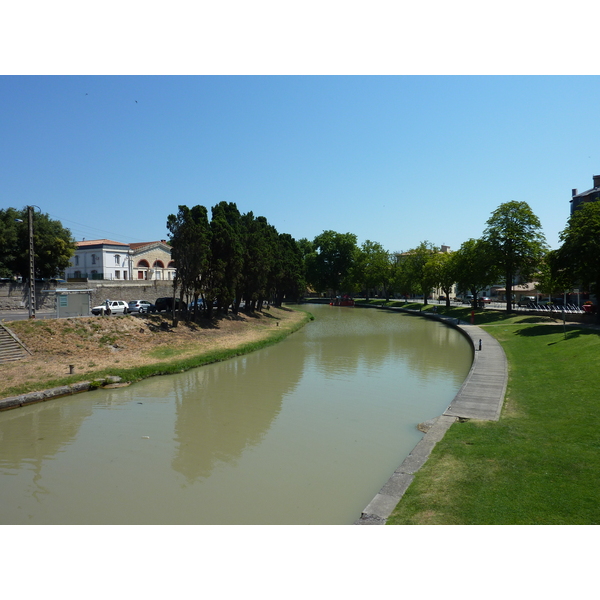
x=509, y=279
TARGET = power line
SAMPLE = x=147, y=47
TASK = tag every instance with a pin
x=114, y=236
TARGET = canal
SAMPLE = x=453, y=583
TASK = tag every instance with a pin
x=304, y=432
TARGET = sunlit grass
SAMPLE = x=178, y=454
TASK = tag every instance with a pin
x=539, y=463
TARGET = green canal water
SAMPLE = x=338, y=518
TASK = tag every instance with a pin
x=304, y=432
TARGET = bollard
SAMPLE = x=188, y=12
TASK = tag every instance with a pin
x=479, y=345
x=71, y=369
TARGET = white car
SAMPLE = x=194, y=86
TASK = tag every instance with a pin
x=111, y=307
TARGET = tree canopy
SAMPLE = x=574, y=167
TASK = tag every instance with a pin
x=516, y=243
x=422, y=278
x=233, y=258
x=474, y=267
x=371, y=267
x=330, y=262
x=579, y=256
x=53, y=244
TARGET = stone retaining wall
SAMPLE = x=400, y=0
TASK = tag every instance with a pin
x=65, y=390
x=14, y=296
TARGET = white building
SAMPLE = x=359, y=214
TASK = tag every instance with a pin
x=106, y=259
x=100, y=259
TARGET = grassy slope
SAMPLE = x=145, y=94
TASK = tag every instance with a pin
x=170, y=363
x=539, y=464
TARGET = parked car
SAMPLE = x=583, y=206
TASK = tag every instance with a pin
x=111, y=307
x=526, y=300
x=199, y=302
x=141, y=306
x=167, y=304
x=484, y=299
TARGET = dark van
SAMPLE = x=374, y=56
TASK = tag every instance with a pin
x=167, y=304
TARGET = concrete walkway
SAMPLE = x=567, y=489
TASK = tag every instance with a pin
x=480, y=397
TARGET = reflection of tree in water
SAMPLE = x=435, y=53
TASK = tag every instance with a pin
x=365, y=337
x=32, y=434
x=225, y=408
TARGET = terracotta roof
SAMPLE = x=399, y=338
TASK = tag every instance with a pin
x=100, y=242
x=142, y=244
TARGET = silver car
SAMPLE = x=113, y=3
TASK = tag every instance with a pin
x=141, y=306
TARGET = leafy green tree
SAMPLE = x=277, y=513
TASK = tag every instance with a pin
x=516, y=242
x=579, y=255
x=440, y=268
x=226, y=256
x=289, y=270
x=190, y=250
x=551, y=277
x=259, y=246
x=329, y=265
x=420, y=278
x=399, y=282
x=53, y=244
x=390, y=276
x=474, y=267
x=371, y=266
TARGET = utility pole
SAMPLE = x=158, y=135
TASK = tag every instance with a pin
x=31, y=265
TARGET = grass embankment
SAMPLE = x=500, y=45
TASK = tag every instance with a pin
x=539, y=463
x=134, y=348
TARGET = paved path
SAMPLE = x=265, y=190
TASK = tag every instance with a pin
x=480, y=397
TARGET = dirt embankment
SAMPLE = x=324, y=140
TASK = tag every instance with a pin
x=94, y=344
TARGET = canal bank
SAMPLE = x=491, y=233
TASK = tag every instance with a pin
x=480, y=397
x=67, y=356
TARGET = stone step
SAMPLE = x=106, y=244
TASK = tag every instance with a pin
x=11, y=348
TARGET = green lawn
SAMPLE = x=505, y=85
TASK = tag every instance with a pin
x=540, y=464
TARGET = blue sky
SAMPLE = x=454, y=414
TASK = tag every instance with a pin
x=392, y=159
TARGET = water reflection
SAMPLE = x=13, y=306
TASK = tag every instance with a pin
x=306, y=431
x=228, y=408
x=425, y=348
x=34, y=433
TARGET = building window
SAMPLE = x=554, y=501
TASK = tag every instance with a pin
x=76, y=260
x=117, y=274
x=77, y=274
x=117, y=260
x=93, y=259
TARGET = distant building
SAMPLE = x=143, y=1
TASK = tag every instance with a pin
x=152, y=260
x=107, y=259
x=100, y=259
x=592, y=195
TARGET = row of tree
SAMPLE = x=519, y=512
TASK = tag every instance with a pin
x=232, y=258
x=512, y=247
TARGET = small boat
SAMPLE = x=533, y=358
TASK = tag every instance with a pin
x=342, y=301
